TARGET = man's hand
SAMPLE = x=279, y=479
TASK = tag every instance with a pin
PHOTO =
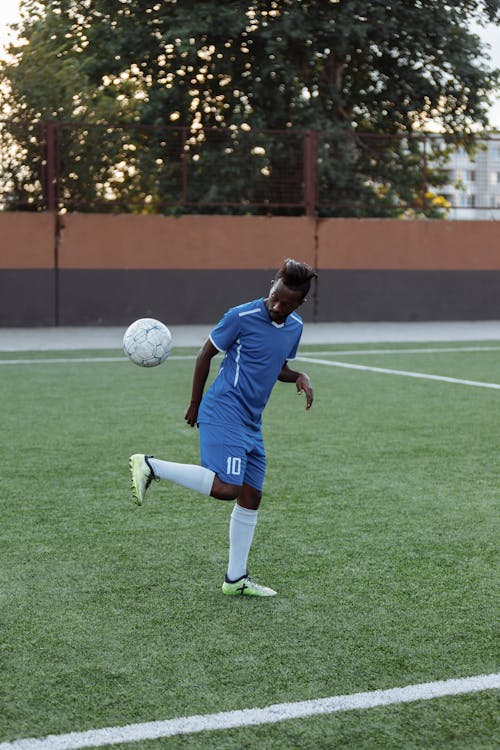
x=192, y=414
x=304, y=384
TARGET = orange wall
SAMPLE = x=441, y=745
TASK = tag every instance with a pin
x=94, y=241
x=410, y=245
x=26, y=240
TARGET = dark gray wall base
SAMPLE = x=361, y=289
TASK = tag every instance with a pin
x=408, y=295
x=29, y=298
x=176, y=297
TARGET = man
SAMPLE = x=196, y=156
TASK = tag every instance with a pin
x=258, y=338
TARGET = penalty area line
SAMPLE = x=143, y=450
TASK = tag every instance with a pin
x=403, y=373
x=256, y=716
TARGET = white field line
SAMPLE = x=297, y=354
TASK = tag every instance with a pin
x=430, y=350
x=404, y=373
x=255, y=716
x=69, y=360
x=346, y=365
x=433, y=350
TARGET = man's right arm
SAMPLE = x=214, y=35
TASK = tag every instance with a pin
x=200, y=375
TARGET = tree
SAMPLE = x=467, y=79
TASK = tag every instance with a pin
x=352, y=70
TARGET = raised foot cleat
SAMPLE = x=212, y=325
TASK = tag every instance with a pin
x=142, y=476
x=245, y=586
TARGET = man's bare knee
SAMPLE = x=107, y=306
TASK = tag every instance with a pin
x=249, y=497
x=224, y=491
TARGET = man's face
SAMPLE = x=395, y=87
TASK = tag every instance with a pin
x=282, y=301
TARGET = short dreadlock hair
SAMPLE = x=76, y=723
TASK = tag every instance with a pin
x=296, y=275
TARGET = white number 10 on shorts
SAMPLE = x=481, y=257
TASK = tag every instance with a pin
x=233, y=465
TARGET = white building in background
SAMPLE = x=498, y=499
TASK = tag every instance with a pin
x=474, y=182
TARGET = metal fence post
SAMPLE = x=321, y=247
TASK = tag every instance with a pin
x=50, y=181
x=424, y=176
x=50, y=201
x=310, y=172
x=184, y=165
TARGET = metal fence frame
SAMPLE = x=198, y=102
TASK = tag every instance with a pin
x=305, y=192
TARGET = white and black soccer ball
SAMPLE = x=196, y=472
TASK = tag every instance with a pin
x=147, y=342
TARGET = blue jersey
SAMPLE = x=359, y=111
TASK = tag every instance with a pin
x=255, y=349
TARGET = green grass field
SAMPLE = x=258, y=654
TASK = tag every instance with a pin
x=379, y=529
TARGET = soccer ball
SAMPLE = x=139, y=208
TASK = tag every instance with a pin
x=147, y=342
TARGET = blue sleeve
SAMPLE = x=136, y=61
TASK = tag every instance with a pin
x=226, y=331
x=293, y=350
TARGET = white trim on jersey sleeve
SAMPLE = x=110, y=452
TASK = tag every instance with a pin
x=213, y=342
x=249, y=312
x=297, y=318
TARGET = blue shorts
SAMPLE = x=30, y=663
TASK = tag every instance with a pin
x=235, y=452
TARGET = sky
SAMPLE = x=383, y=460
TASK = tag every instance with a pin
x=9, y=12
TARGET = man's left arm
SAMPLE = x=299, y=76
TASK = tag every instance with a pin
x=301, y=380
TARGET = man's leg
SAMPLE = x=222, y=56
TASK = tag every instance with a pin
x=146, y=468
x=198, y=478
x=242, y=527
x=220, y=474
x=241, y=531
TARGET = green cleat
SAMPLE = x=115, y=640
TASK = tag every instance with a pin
x=245, y=586
x=142, y=476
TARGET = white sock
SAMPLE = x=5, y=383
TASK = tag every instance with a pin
x=189, y=475
x=241, y=529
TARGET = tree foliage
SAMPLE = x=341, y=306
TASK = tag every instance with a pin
x=353, y=71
